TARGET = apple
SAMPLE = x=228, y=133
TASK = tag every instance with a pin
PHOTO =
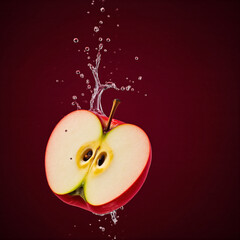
x=96, y=163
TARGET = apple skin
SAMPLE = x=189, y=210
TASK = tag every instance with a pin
x=118, y=202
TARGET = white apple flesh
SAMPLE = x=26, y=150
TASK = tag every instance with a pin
x=94, y=170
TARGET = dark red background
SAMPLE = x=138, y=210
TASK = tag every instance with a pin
x=189, y=59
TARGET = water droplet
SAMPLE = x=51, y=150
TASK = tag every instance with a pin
x=100, y=22
x=96, y=29
x=57, y=80
x=128, y=87
x=100, y=46
x=140, y=78
x=145, y=94
x=82, y=94
x=108, y=16
x=81, y=75
x=102, y=9
x=108, y=39
x=79, y=50
x=88, y=57
x=119, y=49
x=87, y=49
x=138, y=92
x=104, y=66
x=92, y=3
x=116, y=9
x=132, y=89
x=122, y=88
x=87, y=81
x=75, y=40
x=132, y=81
x=99, y=220
x=114, y=52
x=105, y=50
x=102, y=228
x=77, y=72
x=88, y=12
x=118, y=25
x=74, y=97
x=90, y=224
x=88, y=86
x=74, y=225
x=111, y=73
x=126, y=78
x=100, y=39
x=121, y=207
x=136, y=58
x=62, y=80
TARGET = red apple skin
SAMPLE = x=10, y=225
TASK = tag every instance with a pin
x=118, y=202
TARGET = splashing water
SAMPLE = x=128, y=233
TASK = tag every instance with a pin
x=95, y=102
x=114, y=216
x=75, y=102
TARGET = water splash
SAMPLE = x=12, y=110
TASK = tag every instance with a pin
x=114, y=216
x=95, y=102
x=75, y=103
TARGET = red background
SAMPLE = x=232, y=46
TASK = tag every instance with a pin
x=189, y=59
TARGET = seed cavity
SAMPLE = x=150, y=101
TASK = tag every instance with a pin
x=102, y=158
x=87, y=155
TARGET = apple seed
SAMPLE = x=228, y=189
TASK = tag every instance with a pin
x=102, y=159
x=87, y=155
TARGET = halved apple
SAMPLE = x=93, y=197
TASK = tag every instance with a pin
x=95, y=169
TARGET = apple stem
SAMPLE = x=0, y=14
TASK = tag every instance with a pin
x=116, y=102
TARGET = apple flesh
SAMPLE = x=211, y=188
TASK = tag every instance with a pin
x=96, y=170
